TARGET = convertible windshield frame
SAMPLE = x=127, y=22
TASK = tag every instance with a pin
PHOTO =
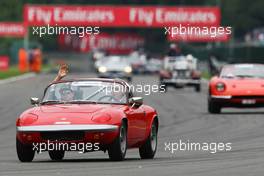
x=120, y=82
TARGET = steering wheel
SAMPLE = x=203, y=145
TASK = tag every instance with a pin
x=111, y=97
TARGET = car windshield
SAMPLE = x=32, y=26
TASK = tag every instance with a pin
x=136, y=59
x=243, y=71
x=81, y=92
x=114, y=61
x=176, y=59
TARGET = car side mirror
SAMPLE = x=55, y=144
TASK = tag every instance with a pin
x=34, y=101
x=136, y=102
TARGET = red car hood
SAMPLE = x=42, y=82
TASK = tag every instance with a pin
x=243, y=86
x=67, y=114
x=72, y=108
x=246, y=84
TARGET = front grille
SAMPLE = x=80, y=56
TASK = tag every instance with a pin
x=248, y=97
x=62, y=135
x=181, y=74
x=115, y=72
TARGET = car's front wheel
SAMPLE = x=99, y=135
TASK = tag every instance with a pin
x=213, y=108
x=117, y=150
x=149, y=148
x=25, y=152
x=56, y=155
x=197, y=88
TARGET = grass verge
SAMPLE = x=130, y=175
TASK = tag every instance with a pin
x=206, y=75
x=12, y=71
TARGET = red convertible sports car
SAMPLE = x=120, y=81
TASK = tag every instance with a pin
x=238, y=85
x=100, y=114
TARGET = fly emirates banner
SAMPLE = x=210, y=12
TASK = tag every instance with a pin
x=120, y=16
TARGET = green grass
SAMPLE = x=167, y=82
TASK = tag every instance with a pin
x=47, y=67
x=12, y=71
x=206, y=75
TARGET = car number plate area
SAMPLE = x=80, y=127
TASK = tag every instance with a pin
x=62, y=135
x=248, y=101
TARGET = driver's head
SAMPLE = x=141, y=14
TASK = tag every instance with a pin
x=118, y=92
x=118, y=95
x=67, y=94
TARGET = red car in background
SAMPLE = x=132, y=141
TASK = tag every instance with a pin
x=237, y=85
x=94, y=111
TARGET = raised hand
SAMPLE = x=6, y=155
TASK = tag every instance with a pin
x=62, y=72
x=64, y=69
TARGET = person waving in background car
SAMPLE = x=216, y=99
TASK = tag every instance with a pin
x=174, y=50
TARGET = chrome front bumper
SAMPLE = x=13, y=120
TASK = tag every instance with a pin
x=221, y=96
x=181, y=81
x=42, y=128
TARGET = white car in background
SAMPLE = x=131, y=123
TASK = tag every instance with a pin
x=138, y=62
x=153, y=65
x=181, y=71
x=114, y=67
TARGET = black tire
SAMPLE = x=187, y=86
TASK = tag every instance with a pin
x=197, y=88
x=25, y=153
x=213, y=108
x=56, y=155
x=149, y=148
x=163, y=87
x=117, y=150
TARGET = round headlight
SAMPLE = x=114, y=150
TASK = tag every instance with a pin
x=220, y=87
x=102, y=69
x=128, y=69
x=27, y=119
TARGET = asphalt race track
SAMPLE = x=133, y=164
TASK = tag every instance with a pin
x=183, y=116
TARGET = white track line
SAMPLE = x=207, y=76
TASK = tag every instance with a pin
x=17, y=78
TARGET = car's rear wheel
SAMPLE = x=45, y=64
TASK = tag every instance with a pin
x=25, y=152
x=56, y=155
x=117, y=150
x=213, y=108
x=149, y=148
x=162, y=86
